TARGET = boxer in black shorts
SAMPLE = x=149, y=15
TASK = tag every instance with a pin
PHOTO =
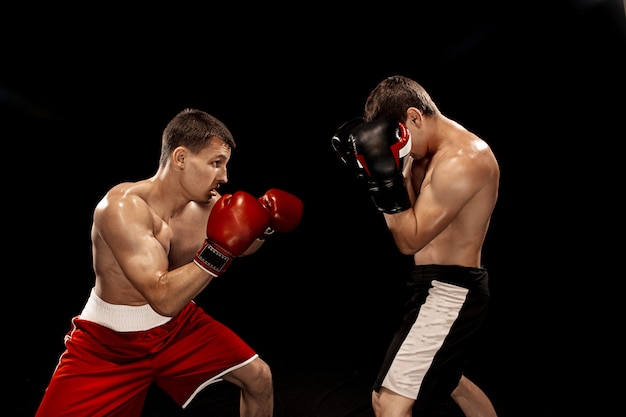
x=436, y=184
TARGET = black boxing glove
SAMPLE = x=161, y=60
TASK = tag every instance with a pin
x=344, y=146
x=380, y=148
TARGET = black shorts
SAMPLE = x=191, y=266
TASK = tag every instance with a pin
x=427, y=354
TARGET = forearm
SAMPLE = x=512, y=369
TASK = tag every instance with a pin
x=403, y=229
x=175, y=289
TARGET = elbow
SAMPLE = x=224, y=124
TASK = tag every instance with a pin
x=405, y=250
x=165, y=309
x=165, y=306
x=407, y=247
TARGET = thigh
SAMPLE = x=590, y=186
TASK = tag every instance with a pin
x=387, y=402
x=203, y=352
x=86, y=386
x=252, y=373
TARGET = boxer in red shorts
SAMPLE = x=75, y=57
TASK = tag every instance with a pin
x=157, y=243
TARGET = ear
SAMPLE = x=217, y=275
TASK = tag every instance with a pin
x=178, y=156
x=414, y=116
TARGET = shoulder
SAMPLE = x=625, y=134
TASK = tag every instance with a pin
x=124, y=199
x=481, y=156
x=467, y=161
x=470, y=152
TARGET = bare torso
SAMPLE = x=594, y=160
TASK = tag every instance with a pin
x=463, y=209
x=179, y=235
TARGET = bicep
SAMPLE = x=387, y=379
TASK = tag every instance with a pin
x=439, y=203
x=128, y=231
x=435, y=207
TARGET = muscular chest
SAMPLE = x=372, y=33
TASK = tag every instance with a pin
x=186, y=236
x=184, y=243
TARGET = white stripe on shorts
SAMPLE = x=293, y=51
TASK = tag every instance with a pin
x=425, y=338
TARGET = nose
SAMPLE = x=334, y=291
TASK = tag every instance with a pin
x=223, y=176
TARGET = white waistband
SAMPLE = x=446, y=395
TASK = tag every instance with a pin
x=121, y=318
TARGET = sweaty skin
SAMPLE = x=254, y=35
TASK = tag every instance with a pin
x=141, y=314
x=452, y=178
x=145, y=234
x=456, y=176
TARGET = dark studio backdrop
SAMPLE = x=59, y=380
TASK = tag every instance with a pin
x=84, y=100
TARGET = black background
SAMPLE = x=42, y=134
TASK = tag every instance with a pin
x=86, y=93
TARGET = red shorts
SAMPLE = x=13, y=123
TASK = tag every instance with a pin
x=103, y=372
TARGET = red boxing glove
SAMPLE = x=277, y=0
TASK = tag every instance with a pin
x=234, y=223
x=285, y=210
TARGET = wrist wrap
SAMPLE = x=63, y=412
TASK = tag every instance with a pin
x=213, y=259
